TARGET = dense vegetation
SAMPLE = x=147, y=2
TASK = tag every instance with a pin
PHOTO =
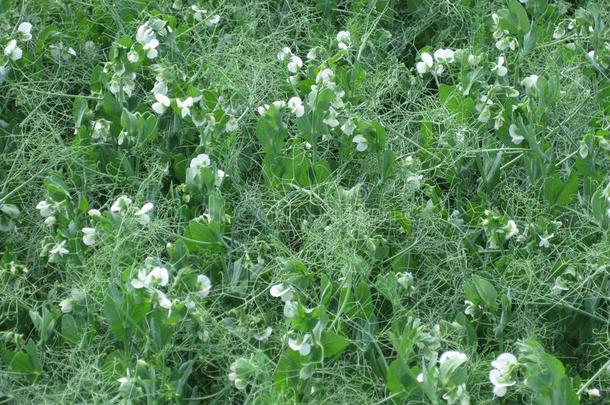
x=304, y=201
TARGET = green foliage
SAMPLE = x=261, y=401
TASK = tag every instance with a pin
x=268, y=202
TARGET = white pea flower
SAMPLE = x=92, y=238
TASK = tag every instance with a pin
x=331, y=120
x=474, y=60
x=185, y=106
x=470, y=308
x=484, y=101
x=141, y=280
x=89, y=236
x=121, y=203
x=160, y=87
x=158, y=276
x=283, y=54
x=500, y=375
x=94, y=213
x=262, y=337
x=498, y=121
x=511, y=229
x=444, y=55
x=348, y=127
x=25, y=31
x=296, y=106
x=4, y=72
x=583, y=150
x=101, y=129
x=198, y=12
x=361, y=142
x=593, y=393
x=515, y=136
x=50, y=221
x=559, y=286
x=512, y=92
x=290, y=309
x=530, y=82
x=325, y=76
x=123, y=380
x=405, y=280
x=302, y=346
x=452, y=355
x=506, y=43
x=457, y=395
x=338, y=103
x=499, y=67
x=545, y=241
x=12, y=50
x=201, y=160
x=485, y=115
x=142, y=214
x=281, y=290
x=295, y=64
x=312, y=54
x=215, y=19
x=59, y=249
x=344, y=40
x=205, y=285
x=220, y=176
x=162, y=300
x=66, y=305
x=163, y=102
x=279, y=104
x=415, y=179
x=240, y=383
x=147, y=38
x=420, y=378
x=426, y=63
x=133, y=57
x=60, y=51
x=45, y=209
x=559, y=32
x=231, y=125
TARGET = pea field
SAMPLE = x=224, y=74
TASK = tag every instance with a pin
x=344, y=202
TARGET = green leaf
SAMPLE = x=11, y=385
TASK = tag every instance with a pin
x=129, y=121
x=521, y=18
x=456, y=103
x=481, y=291
x=599, y=205
x=489, y=164
x=559, y=193
x=57, y=188
x=10, y=210
x=333, y=344
x=286, y=374
x=149, y=129
x=568, y=192
x=69, y=329
x=397, y=376
x=271, y=132
x=27, y=362
x=216, y=206
x=78, y=112
x=529, y=40
x=203, y=236
x=112, y=107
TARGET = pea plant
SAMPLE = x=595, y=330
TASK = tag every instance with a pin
x=377, y=202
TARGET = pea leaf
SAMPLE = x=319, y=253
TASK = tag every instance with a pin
x=517, y=9
x=333, y=344
x=481, y=291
